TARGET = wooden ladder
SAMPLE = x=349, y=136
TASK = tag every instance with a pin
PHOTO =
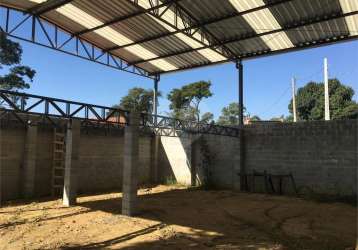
x=58, y=169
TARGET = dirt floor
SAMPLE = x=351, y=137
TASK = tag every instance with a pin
x=173, y=217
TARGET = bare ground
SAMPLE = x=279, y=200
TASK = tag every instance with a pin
x=173, y=217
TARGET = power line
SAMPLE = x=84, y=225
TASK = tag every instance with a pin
x=278, y=100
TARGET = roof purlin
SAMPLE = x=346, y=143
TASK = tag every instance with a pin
x=299, y=24
x=266, y=53
x=199, y=25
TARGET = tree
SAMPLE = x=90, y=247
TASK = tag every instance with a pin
x=310, y=101
x=278, y=119
x=255, y=118
x=230, y=115
x=184, y=102
x=207, y=117
x=138, y=99
x=10, y=56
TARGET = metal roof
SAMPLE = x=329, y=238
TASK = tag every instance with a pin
x=159, y=36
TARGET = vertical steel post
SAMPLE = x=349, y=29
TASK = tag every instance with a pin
x=155, y=98
x=326, y=91
x=240, y=68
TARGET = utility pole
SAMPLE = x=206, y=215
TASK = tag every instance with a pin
x=294, y=99
x=326, y=91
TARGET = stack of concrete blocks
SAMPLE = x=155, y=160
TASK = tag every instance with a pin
x=30, y=154
x=130, y=166
x=71, y=162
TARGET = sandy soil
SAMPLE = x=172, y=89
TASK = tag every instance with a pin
x=173, y=217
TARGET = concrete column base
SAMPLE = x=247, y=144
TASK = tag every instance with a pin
x=71, y=163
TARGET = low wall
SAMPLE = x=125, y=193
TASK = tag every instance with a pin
x=100, y=157
x=322, y=156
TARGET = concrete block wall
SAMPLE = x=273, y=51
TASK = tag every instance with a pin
x=101, y=160
x=11, y=159
x=175, y=159
x=322, y=156
x=225, y=160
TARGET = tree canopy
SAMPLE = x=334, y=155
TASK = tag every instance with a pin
x=230, y=115
x=184, y=102
x=207, y=117
x=10, y=57
x=138, y=99
x=310, y=101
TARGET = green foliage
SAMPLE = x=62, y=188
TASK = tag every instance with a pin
x=184, y=102
x=255, y=118
x=138, y=99
x=230, y=115
x=207, y=117
x=10, y=55
x=278, y=119
x=310, y=101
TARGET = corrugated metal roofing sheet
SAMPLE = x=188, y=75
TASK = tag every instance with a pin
x=224, y=30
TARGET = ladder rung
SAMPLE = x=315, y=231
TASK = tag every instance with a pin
x=62, y=168
x=59, y=151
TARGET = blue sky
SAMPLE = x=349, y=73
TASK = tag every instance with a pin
x=266, y=81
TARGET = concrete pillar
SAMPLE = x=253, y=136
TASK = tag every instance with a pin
x=155, y=160
x=29, y=164
x=71, y=162
x=243, y=172
x=130, y=166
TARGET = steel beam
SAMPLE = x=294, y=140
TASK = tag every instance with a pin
x=195, y=27
x=313, y=44
x=89, y=49
x=298, y=24
x=180, y=15
x=203, y=29
x=47, y=6
x=129, y=16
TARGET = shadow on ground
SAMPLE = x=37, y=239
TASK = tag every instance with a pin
x=225, y=220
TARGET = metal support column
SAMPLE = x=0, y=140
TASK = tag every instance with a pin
x=154, y=171
x=240, y=68
x=242, y=168
x=155, y=98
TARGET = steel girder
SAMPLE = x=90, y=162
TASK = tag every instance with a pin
x=27, y=108
x=195, y=27
x=181, y=18
x=81, y=47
